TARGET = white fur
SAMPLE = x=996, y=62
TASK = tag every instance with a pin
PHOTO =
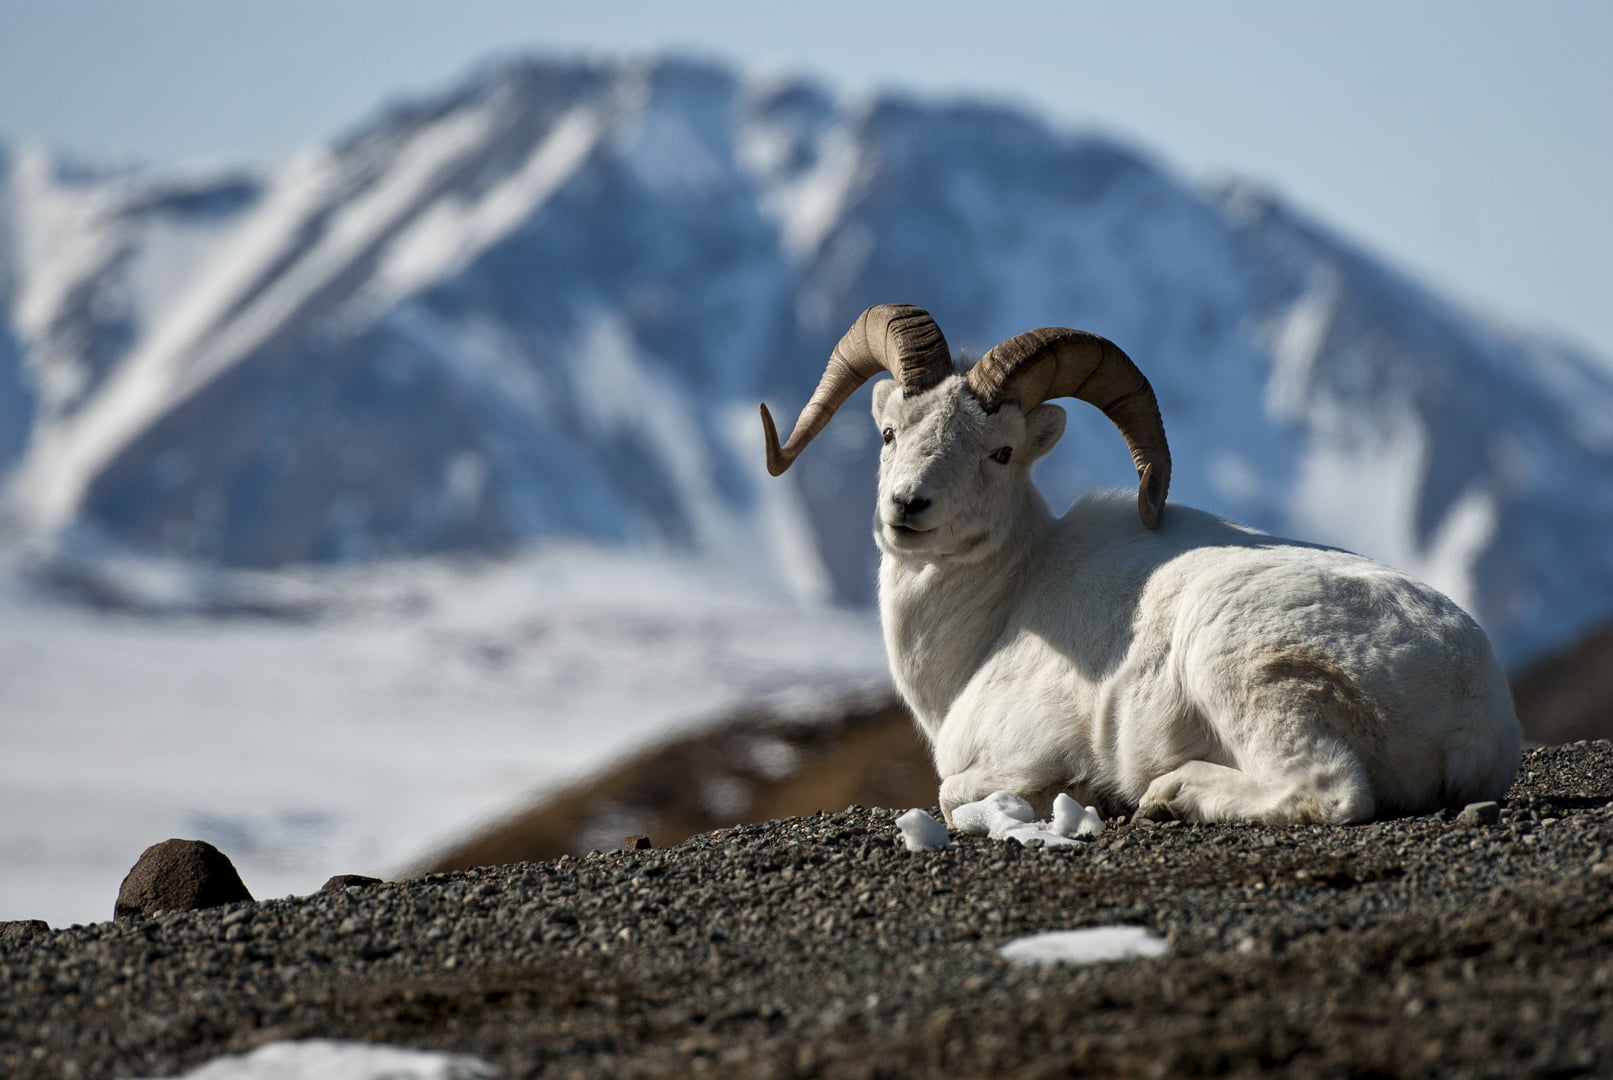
x=1201, y=670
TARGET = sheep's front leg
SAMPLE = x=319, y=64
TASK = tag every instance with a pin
x=972, y=785
x=986, y=745
x=1204, y=791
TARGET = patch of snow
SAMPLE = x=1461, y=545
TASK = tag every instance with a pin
x=332, y=1059
x=1580, y=385
x=1005, y=816
x=992, y=815
x=1362, y=493
x=168, y=262
x=1070, y=818
x=481, y=354
x=672, y=135
x=213, y=330
x=784, y=528
x=1091, y=945
x=60, y=235
x=725, y=797
x=465, y=480
x=1453, y=552
x=620, y=388
x=809, y=206
x=56, y=473
x=921, y=832
x=771, y=756
x=1297, y=339
x=452, y=232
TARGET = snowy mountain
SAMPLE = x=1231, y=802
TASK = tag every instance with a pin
x=544, y=305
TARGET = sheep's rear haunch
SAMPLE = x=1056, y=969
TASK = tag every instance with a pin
x=1181, y=666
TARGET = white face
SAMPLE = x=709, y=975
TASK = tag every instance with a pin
x=949, y=473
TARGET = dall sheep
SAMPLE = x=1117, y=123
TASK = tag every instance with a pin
x=1186, y=667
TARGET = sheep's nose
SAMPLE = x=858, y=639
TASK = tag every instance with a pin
x=911, y=507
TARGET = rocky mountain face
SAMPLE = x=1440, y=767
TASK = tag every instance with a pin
x=544, y=305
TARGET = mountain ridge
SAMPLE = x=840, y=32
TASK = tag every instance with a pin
x=542, y=304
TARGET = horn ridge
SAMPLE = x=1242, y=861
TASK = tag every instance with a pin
x=915, y=338
x=898, y=338
x=1055, y=361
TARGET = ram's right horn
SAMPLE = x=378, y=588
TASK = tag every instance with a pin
x=898, y=338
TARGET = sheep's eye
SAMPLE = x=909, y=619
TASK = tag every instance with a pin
x=890, y=435
x=1002, y=455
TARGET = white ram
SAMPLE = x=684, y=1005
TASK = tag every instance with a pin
x=1183, y=666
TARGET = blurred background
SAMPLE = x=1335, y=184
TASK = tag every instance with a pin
x=380, y=478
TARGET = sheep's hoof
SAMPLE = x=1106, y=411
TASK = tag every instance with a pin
x=1152, y=810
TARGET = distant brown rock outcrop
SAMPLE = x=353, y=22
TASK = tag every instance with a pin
x=1568, y=696
x=757, y=766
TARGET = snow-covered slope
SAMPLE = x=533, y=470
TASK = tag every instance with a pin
x=544, y=305
x=380, y=715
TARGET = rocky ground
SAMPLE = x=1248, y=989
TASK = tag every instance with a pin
x=817, y=946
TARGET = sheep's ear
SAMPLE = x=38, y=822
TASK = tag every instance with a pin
x=882, y=393
x=1043, y=427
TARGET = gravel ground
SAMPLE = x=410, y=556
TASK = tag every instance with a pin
x=817, y=946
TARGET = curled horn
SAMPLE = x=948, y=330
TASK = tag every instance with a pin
x=898, y=338
x=1038, y=365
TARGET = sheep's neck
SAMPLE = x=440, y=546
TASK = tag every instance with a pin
x=941, y=619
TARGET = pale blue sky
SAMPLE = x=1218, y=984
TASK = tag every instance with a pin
x=1471, y=142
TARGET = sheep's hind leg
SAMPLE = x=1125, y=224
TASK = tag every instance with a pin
x=1204, y=791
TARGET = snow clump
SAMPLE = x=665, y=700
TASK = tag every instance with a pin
x=1005, y=816
x=921, y=832
x=1092, y=945
x=1070, y=818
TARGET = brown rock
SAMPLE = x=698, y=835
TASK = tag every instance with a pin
x=348, y=881
x=637, y=843
x=1563, y=696
x=23, y=929
x=179, y=875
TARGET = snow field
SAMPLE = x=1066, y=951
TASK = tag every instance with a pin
x=420, y=702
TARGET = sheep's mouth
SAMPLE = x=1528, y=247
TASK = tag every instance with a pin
x=906, y=533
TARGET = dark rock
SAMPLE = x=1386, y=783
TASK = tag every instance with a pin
x=348, y=881
x=1479, y=813
x=179, y=875
x=23, y=929
x=637, y=843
